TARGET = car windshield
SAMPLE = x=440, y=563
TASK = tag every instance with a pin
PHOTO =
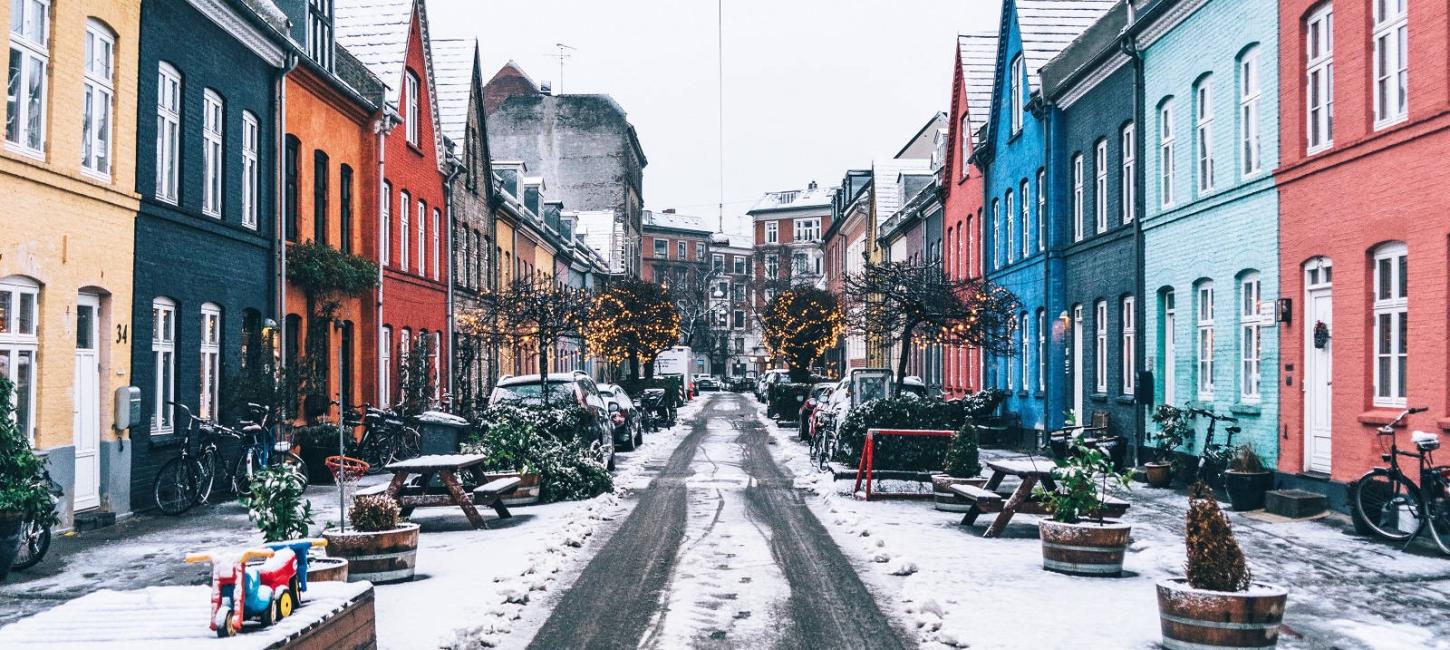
x=533, y=392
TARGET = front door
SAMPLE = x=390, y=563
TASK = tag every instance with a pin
x=1318, y=369
x=87, y=404
x=1077, y=364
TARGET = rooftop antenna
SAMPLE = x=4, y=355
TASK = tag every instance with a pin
x=720, y=93
x=563, y=53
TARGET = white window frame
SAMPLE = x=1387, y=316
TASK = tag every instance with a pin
x=404, y=234
x=1319, y=79
x=251, y=170
x=1011, y=211
x=1251, y=343
x=1128, y=355
x=1014, y=327
x=1250, y=90
x=437, y=226
x=210, y=348
x=996, y=234
x=1041, y=211
x=1128, y=191
x=1077, y=198
x=30, y=44
x=1170, y=351
x=1166, y=141
x=1204, y=348
x=1100, y=185
x=739, y=264
x=717, y=260
x=99, y=93
x=1041, y=350
x=807, y=230
x=1390, y=75
x=1019, y=104
x=772, y=232
x=1390, y=300
x=661, y=248
x=163, y=360
x=422, y=237
x=700, y=251
x=212, y=153
x=386, y=215
x=17, y=342
x=1026, y=357
x=410, y=84
x=385, y=366
x=319, y=32
x=682, y=251
x=966, y=138
x=1026, y=221
x=1203, y=134
x=1100, y=349
x=168, y=133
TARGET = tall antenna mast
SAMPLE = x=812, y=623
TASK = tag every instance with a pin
x=562, y=55
x=720, y=93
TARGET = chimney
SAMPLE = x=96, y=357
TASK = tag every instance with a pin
x=668, y=211
x=811, y=187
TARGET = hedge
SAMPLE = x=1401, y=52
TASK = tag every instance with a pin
x=901, y=412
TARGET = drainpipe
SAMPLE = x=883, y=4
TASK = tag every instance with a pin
x=279, y=197
x=387, y=119
x=448, y=187
x=1129, y=46
x=1047, y=109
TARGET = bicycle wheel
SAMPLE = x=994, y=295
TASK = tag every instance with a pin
x=34, y=542
x=1438, y=512
x=210, y=464
x=176, y=484
x=403, y=443
x=1387, y=506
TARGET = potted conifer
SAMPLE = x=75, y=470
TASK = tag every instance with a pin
x=1217, y=604
x=1079, y=539
x=962, y=467
x=1246, y=479
x=24, y=493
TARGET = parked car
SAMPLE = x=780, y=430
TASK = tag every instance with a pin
x=820, y=392
x=563, y=387
x=742, y=384
x=708, y=382
x=762, y=387
x=624, y=418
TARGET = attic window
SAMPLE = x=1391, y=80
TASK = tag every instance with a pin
x=410, y=119
x=319, y=32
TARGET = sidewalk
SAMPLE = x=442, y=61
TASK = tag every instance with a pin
x=958, y=589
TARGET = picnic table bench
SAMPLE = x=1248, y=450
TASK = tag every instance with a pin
x=447, y=468
x=1031, y=470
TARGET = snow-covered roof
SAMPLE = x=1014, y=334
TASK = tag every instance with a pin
x=453, y=67
x=810, y=197
x=1048, y=26
x=889, y=197
x=675, y=221
x=979, y=65
x=376, y=33
x=268, y=11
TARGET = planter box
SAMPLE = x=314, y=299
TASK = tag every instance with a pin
x=381, y=557
x=326, y=569
x=1084, y=549
x=1198, y=618
x=945, y=499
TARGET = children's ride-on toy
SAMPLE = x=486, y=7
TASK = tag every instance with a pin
x=269, y=591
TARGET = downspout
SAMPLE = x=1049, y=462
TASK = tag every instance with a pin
x=448, y=187
x=1047, y=250
x=387, y=119
x=1129, y=46
x=279, y=198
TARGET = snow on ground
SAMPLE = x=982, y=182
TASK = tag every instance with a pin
x=955, y=588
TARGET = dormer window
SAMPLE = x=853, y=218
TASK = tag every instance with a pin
x=410, y=119
x=531, y=199
x=319, y=32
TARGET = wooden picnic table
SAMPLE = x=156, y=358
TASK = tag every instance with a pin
x=446, y=467
x=1031, y=470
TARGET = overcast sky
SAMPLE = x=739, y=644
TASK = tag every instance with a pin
x=812, y=87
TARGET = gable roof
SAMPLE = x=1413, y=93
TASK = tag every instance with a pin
x=376, y=33
x=889, y=194
x=979, y=65
x=1048, y=26
x=454, y=61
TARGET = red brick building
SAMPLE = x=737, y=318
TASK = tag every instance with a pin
x=1363, y=230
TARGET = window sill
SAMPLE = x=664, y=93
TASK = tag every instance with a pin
x=1098, y=397
x=1022, y=393
x=1443, y=423
x=415, y=148
x=1039, y=394
x=1125, y=399
x=1380, y=416
x=1246, y=409
x=23, y=150
x=1391, y=122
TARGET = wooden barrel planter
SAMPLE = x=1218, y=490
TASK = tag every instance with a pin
x=1159, y=475
x=326, y=569
x=380, y=557
x=1198, y=618
x=943, y=497
x=526, y=494
x=1084, y=549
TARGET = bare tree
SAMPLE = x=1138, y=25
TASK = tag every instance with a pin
x=904, y=301
x=536, y=311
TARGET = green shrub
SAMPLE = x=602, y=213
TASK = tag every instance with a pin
x=274, y=501
x=901, y=412
x=1215, y=561
x=23, y=489
x=373, y=513
x=549, y=442
x=1082, y=476
x=1174, y=428
x=983, y=404
x=962, y=460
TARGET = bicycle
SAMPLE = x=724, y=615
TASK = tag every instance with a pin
x=259, y=448
x=386, y=438
x=1215, y=457
x=824, y=442
x=1390, y=505
x=177, y=484
x=35, y=533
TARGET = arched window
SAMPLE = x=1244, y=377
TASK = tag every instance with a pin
x=1100, y=185
x=1390, y=301
x=1077, y=198
x=29, y=61
x=1128, y=190
x=1319, y=78
x=1250, y=90
x=99, y=87
x=20, y=345
x=385, y=366
x=1011, y=228
x=1166, y=161
x=1128, y=354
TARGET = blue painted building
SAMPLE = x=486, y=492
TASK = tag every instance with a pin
x=205, y=171
x=1019, y=250
x=1211, y=109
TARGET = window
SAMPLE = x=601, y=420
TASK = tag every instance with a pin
x=772, y=267
x=807, y=230
x=1041, y=350
x=387, y=210
x=319, y=196
x=319, y=32
x=385, y=366
x=739, y=265
x=422, y=237
x=1203, y=134
x=1019, y=103
x=436, y=243
x=717, y=262
x=1041, y=211
x=251, y=171
x=966, y=143
x=211, y=366
x=772, y=232
x=1129, y=354
x=1391, y=324
x=404, y=234
x=1391, y=62
x=405, y=344
x=99, y=90
x=344, y=208
x=1014, y=329
x=1251, y=319
x=1169, y=346
x=29, y=59
x=996, y=235
x=168, y=132
x=1165, y=153
x=1128, y=190
x=1026, y=220
x=19, y=347
x=680, y=253
x=1205, y=341
x=1100, y=350
x=433, y=352
x=700, y=251
x=662, y=248
x=1100, y=185
x=410, y=84
x=163, y=360
x=739, y=292
x=738, y=319
x=292, y=187
x=1077, y=198
x=1011, y=228
x=346, y=350
x=211, y=153
x=800, y=264
x=1319, y=78
x=1250, y=161
x=1025, y=357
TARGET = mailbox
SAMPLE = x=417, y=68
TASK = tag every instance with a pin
x=128, y=408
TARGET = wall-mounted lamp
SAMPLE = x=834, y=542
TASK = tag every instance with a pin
x=1285, y=310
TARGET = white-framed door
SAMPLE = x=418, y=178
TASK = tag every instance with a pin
x=1318, y=367
x=87, y=402
x=1170, y=349
x=1077, y=376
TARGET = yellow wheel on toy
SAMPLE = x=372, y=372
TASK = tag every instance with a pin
x=225, y=629
x=284, y=605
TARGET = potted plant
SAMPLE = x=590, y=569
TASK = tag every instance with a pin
x=1246, y=479
x=24, y=494
x=318, y=442
x=378, y=547
x=1217, y=604
x=1078, y=539
x=274, y=501
x=1173, y=429
x=961, y=467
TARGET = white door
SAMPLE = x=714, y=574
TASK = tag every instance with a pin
x=87, y=404
x=1318, y=374
x=1077, y=363
x=1170, y=350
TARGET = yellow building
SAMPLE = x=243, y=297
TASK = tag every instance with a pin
x=67, y=166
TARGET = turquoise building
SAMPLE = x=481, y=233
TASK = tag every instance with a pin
x=1210, y=107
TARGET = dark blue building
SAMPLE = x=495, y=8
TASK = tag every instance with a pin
x=205, y=284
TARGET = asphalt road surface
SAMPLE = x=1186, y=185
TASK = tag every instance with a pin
x=720, y=552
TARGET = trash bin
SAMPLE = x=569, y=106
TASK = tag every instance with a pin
x=441, y=432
